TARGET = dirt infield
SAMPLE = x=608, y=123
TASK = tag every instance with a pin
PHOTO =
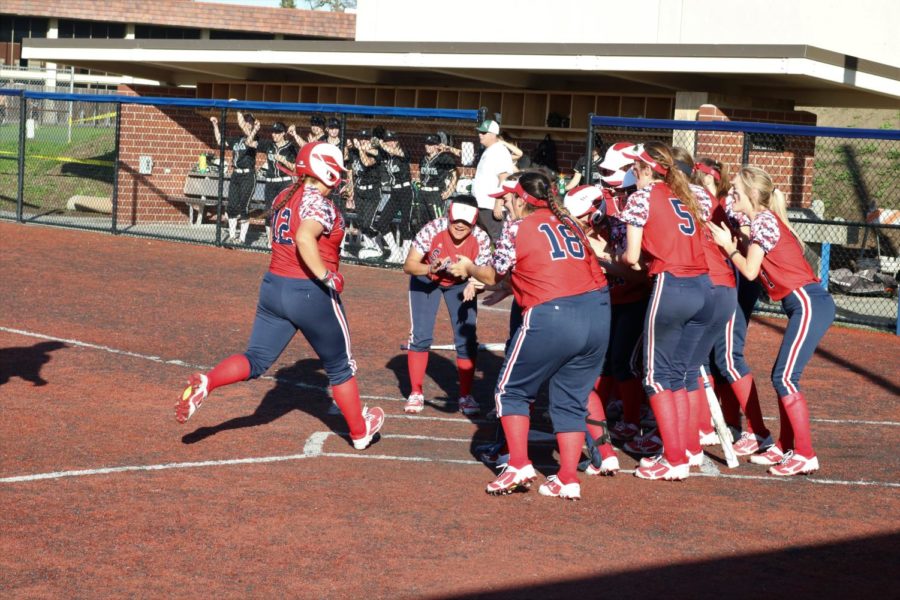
x=259, y=495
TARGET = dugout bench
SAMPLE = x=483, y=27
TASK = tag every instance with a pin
x=201, y=191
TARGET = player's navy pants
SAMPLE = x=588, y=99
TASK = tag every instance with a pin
x=724, y=305
x=626, y=328
x=728, y=359
x=810, y=312
x=563, y=340
x=680, y=310
x=287, y=305
x=424, y=299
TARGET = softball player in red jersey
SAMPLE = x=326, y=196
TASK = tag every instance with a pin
x=664, y=220
x=776, y=256
x=738, y=392
x=437, y=245
x=629, y=291
x=724, y=292
x=300, y=291
x=559, y=284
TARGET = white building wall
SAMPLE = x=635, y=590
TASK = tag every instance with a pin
x=867, y=29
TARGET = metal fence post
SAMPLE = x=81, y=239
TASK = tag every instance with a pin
x=115, y=190
x=825, y=264
x=589, y=156
x=20, y=192
x=222, y=132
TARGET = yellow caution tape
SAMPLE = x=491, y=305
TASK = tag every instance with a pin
x=66, y=159
x=97, y=118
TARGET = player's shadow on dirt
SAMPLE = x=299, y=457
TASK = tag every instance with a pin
x=25, y=362
x=302, y=386
x=442, y=370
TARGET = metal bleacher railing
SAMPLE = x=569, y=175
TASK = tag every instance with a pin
x=842, y=197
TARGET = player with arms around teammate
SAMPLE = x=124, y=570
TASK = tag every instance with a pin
x=775, y=255
x=437, y=245
x=664, y=221
x=563, y=336
x=300, y=291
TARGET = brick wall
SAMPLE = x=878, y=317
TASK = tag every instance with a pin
x=174, y=138
x=200, y=15
x=788, y=159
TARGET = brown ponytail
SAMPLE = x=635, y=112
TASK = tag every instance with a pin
x=675, y=179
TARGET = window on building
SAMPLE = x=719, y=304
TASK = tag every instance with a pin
x=14, y=29
x=75, y=28
x=239, y=35
x=156, y=32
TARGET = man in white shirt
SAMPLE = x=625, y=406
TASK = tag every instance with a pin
x=495, y=165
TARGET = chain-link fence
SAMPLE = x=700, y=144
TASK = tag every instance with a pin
x=206, y=171
x=840, y=188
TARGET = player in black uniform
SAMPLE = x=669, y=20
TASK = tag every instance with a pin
x=317, y=129
x=397, y=174
x=595, y=171
x=243, y=174
x=365, y=189
x=437, y=178
x=333, y=132
x=279, y=168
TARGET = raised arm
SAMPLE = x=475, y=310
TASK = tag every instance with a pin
x=216, y=132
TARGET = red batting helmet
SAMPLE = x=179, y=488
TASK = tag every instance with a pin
x=322, y=161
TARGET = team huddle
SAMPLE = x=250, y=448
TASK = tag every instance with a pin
x=630, y=293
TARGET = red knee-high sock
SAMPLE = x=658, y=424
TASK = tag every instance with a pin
x=700, y=413
x=632, y=394
x=515, y=427
x=346, y=396
x=570, y=444
x=231, y=370
x=786, y=431
x=696, y=399
x=731, y=409
x=663, y=405
x=745, y=391
x=683, y=410
x=596, y=413
x=466, y=369
x=417, y=362
x=604, y=388
x=798, y=414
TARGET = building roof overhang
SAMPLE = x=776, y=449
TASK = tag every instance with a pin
x=804, y=74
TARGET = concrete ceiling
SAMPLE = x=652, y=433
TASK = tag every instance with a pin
x=802, y=74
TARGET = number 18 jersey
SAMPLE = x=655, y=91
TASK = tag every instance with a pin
x=546, y=260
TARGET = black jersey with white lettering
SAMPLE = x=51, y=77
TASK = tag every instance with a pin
x=242, y=155
x=287, y=151
x=362, y=174
x=396, y=168
x=435, y=171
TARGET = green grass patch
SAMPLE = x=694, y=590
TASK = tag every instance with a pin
x=53, y=168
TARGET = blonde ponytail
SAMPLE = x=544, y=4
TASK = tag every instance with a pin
x=770, y=197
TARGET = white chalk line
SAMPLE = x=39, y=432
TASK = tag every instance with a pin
x=314, y=447
x=158, y=467
x=708, y=470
